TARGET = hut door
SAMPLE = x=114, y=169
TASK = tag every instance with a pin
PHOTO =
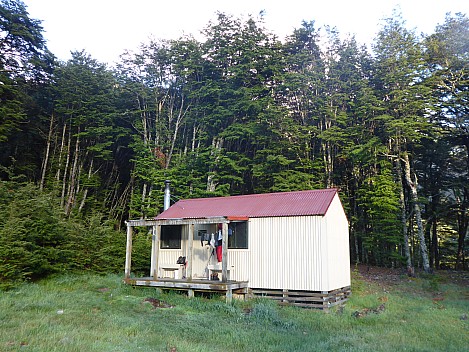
x=201, y=251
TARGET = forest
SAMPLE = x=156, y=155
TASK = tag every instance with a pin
x=85, y=146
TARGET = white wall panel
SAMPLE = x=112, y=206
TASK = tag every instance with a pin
x=288, y=253
x=338, y=258
x=169, y=256
x=239, y=261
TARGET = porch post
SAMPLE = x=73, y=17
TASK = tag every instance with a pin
x=128, y=251
x=224, y=261
x=155, y=250
x=190, y=245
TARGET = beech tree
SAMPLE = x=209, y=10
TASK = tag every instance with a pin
x=448, y=58
x=86, y=134
x=302, y=92
x=406, y=98
x=25, y=68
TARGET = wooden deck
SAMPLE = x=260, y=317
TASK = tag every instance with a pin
x=227, y=288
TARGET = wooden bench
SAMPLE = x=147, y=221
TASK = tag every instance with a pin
x=173, y=268
x=216, y=268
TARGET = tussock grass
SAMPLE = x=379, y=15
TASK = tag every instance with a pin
x=99, y=313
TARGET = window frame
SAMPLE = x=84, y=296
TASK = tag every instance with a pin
x=236, y=227
x=174, y=237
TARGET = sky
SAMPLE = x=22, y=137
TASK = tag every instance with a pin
x=106, y=28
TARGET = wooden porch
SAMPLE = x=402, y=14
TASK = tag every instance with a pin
x=187, y=282
x=228, y=288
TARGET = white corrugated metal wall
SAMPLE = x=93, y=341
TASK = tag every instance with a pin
x=288, y=253
x=169, y=256
x=240, y=263
x=338, y=258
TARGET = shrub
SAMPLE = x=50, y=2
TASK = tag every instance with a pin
x=93, y=244
x=37, y=240
x=32, y=233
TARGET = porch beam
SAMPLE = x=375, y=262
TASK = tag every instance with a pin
x=211, y=220
x=190, y=247
x=224, y=260
x=155, y=250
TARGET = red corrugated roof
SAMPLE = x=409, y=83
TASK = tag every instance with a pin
x=299, y=203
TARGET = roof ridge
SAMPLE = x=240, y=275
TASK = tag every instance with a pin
x=270, y=194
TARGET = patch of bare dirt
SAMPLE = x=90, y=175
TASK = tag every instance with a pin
x=365, y=311
x=381, y=276
x=460, y=278
x=395, y=276
x=156, y=303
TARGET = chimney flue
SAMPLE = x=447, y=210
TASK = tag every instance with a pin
x=167, y=195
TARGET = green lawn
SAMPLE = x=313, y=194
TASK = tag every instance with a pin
x=99, y=313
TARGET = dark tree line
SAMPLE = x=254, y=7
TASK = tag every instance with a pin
x=244, y=112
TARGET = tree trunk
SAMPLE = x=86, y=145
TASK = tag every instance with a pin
x=418, y=214
x=62, y=145
x=463, y=233
x=211, y=184
x=436, y=255
x=194, y=135
x=461, y=260
x=46, y=157
x=149, y=197
x=410, y=267
x=144, y=195
x=73, y=177
x=143, y=114
x=177, y=124
x=328, y=163
x=85, y=192
x=217, y=144
x=67, y=162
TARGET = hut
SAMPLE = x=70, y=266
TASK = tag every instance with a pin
x=289, y=246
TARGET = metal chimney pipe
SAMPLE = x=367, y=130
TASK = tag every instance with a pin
x=167, y=195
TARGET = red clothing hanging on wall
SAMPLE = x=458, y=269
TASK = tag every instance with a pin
x=219, y=253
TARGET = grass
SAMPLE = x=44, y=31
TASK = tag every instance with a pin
x=98, y=313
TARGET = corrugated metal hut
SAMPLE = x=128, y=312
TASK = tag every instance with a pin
x=290, y=246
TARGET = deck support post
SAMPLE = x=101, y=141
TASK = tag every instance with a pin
x=128, y=251
x=190, y=293
x=224, y=261
x=190, y=244
x=155, y=249
x=229, y=296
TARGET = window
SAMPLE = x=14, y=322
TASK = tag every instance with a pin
x=238, y=235
x=171, y=236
